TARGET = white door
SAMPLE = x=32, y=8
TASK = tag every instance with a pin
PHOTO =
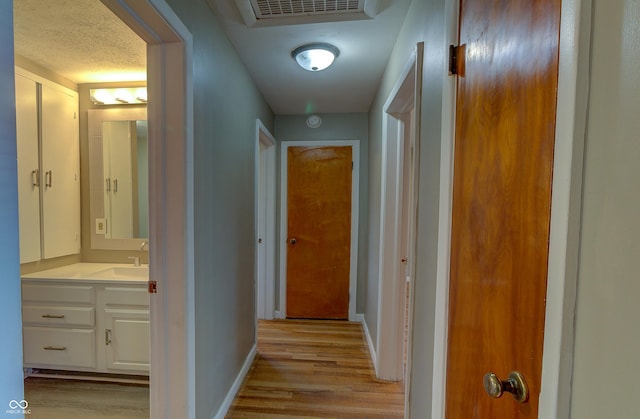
x=28, y=168
x=61, y=172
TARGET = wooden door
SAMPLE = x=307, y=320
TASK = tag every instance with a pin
x=505, y=123
x=319, y=231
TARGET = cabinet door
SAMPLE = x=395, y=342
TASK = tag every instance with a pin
x=60, y=173
x=117, y=142
x=127, y=340
x=28, y=168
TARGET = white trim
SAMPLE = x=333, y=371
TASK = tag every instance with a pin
x=355, y=201
x=566, y=204
x=228, y=400
x=170, y=89
x=447, y=148
x=265, y=202
x=391, y=290
x=557, y=360
x=365, y=329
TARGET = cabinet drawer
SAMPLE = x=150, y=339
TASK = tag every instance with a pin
x=58, y=293
x=126, y=296
x=45, y=346
x=52, y=315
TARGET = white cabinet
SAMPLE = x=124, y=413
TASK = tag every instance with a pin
x=59, y=325
x=48, y=168
x=83, y=326
x=126, y=323
x=117, y=140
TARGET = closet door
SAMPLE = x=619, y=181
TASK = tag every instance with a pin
x=60, y=173
x=28, y=168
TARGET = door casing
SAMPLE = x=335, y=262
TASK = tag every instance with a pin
x=171, y=224
x=355, y=198
x=403, y=101
x=265, y=181
x=557, y=360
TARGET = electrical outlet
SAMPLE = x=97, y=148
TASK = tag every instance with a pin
x=100, y=226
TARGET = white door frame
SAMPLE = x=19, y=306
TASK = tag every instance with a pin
x=170, y=113
x=403, y=101
x=265, y=198
x=557, y=359
x=355, y=204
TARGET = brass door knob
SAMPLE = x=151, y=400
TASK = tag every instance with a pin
x=293, y=241
x=515, y=384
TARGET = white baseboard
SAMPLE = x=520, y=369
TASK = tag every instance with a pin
x=367, y=335
x=226, y=404
x=278, y=314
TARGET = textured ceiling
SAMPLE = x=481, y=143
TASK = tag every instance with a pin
x=81, y=40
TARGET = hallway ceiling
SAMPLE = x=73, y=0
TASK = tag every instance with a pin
x=349, y=85
x=83, y=41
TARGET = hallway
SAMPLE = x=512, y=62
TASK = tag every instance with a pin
x=309, y=368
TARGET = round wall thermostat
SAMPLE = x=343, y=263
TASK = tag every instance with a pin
x=314, y=121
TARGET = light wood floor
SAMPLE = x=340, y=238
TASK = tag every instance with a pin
x=314, y=369
x=51, y=398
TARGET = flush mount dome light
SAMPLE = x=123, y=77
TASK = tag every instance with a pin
x=315, y=57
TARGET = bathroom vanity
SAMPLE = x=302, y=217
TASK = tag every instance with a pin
x=89, y=317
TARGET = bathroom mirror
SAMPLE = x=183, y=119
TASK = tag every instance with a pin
x=118, y=172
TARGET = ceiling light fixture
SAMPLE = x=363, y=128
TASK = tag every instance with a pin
x=119, y=96
x=316, y=56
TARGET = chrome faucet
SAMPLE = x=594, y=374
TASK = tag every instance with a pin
x=144, y=243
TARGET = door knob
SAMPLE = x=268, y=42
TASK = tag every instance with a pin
x=293, y=241
x=515, y=384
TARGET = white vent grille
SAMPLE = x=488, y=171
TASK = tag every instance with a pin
x=283, y=8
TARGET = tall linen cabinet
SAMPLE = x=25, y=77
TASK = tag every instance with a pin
x=48, y=168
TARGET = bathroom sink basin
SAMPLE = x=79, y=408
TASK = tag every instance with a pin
x=123, y=272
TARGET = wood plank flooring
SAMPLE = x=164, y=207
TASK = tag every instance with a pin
x=52, y=398
x=314, y=369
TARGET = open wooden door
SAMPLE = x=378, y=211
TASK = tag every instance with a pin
x=505, y=125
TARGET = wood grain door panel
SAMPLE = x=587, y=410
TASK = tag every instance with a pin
x=319, y=231
x=505, y=128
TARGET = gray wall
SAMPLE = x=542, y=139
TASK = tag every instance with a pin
x=11, y=347
x=607, y=337
x=226, y=105
x=350, y=126
x=425, y=22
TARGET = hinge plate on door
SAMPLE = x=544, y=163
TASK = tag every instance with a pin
x=153, y=287
x=453, y=59
x=456, y=60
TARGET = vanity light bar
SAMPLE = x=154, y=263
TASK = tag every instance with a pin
x=119, y=96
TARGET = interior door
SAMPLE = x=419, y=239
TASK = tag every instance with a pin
x=505, y=123
x=319, y=231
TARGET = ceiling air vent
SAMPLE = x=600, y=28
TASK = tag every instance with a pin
x=286, y=12
x=265, y=9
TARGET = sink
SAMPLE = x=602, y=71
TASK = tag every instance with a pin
x=123, y=272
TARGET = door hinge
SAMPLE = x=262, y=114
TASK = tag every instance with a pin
x=456, y=59
x=453, y=60
x=153, y=287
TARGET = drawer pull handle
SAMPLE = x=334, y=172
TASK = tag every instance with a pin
x=107, y=337
x=53, y=316
x=55, y=348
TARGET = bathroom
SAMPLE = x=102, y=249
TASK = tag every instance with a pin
x=83, y=193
